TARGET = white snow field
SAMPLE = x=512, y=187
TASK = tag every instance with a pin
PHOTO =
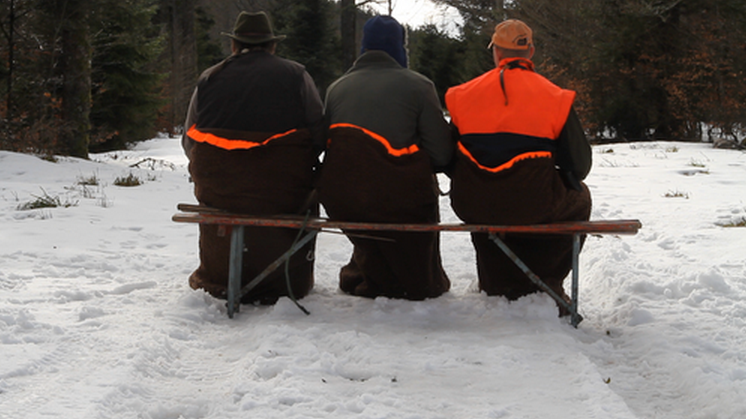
x=97, y=319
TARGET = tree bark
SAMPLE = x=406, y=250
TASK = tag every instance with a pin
x=183, y=47
x=75, y=62
x=11, y=46
x=348, y=19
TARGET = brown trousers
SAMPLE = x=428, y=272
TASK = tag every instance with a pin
x=273, y=179
x=361, y=181
x=530, y=193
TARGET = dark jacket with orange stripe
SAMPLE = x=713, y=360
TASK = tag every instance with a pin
x=250, y=142
x=277, y=94
x=254, y=104
x=387, y=136
x=520, y=139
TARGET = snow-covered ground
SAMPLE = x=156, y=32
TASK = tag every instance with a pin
x=97, y=319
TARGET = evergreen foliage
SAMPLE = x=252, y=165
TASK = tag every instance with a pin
x=435, y=55
x=209, y=52
x=126, y=86
x=643, y=70
x=100, y=74
x=29, y=109
x=310, y=40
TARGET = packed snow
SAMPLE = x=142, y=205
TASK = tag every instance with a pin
x=97, y=319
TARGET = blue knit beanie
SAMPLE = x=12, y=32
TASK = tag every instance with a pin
x=384, y=33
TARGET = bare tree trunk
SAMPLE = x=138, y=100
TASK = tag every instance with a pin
x=75, y=62
x=11, y=29
x=348, y=18
x=183, y=48
x=499, y=12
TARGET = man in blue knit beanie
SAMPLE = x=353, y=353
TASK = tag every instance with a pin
x=387, y=138
x=384, y=33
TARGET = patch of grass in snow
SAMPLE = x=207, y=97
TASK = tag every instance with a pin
x=129, y=180
x=735, y=223
x=676, y=194
x=696, y=163
x=92, y=180
x=614, y=163
x=46, y=201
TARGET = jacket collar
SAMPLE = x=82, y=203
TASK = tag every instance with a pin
x=377, y=59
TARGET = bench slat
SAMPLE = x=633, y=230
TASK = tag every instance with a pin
x=583, y=227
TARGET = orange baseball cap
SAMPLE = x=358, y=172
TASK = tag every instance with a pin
x=512, y=34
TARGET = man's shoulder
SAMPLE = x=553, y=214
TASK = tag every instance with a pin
x=288, y=62
x=206, y=74
x=269, y=60
x=418, y=77
x=476, y=82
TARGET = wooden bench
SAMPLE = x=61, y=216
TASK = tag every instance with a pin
x=235, y=223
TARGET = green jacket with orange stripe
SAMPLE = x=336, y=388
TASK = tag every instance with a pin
x=387, y=136
x=396, y=103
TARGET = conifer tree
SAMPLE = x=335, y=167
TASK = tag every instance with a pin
x=436, y=56
x=126, y=83
x=310, y=38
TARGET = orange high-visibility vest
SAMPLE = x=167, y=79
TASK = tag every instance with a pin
x=508, y=114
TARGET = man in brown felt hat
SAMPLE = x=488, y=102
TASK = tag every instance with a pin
x=254, y=132
x=521, y=158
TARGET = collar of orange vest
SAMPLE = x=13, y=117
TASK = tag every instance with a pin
x=511, y=64
x=515, y=62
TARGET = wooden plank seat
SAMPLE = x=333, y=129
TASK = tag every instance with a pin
x=234, y=223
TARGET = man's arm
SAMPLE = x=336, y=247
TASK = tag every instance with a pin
x=191, y=119
x=314, y=112
x=574, y=154
x=434, y=131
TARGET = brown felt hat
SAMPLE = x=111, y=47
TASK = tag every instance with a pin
x=253, y=29
x=512, y=34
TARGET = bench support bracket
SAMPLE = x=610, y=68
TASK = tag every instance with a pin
x=572, y=307
x=235, y=292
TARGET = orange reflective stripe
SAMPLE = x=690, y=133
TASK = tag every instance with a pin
x=229, y=144
x=509, y=163
x=391, y=150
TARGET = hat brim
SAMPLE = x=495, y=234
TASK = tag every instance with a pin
x=254, y=40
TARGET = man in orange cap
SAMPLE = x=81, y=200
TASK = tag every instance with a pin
x=521, y=158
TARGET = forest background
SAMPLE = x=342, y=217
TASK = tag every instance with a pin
x=82, y=76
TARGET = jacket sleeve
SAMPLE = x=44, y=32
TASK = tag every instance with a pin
x=314, y=111
x=191, y=119
x=434, y=131
x=574, y=154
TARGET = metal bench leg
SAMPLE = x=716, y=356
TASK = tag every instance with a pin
x=572, y=308
x=235, y=292
x=234, y=272
x=575, y=318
